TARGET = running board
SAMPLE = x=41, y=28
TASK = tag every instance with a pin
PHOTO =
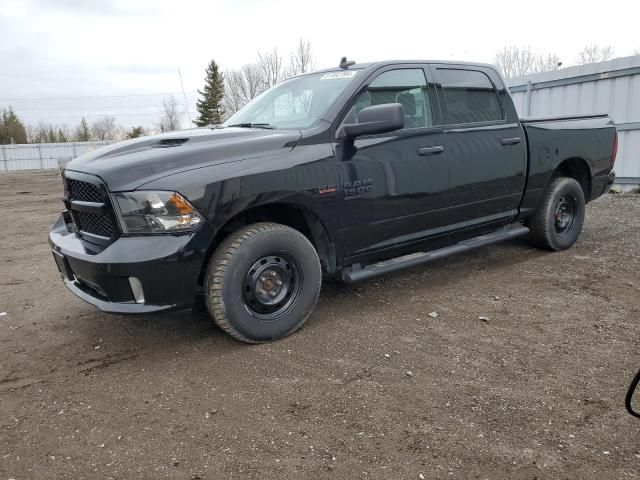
x=358, y=272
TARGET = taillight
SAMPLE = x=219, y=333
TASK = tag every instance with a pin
x=614, y=151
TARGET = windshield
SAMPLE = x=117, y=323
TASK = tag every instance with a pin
x=296, y=103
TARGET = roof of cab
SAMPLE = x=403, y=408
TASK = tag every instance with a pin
x=373, y=65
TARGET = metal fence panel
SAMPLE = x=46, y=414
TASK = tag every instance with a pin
x=611, y=87
x=41, y=156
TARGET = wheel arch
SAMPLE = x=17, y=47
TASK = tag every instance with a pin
x=298, y=217
x=578, y=169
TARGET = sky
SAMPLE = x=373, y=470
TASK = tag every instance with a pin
x=64, y=59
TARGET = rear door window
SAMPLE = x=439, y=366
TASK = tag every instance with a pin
x=469, y=97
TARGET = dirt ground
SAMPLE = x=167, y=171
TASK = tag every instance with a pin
x=372, y=387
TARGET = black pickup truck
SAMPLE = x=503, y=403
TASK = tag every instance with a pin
x=353, y=172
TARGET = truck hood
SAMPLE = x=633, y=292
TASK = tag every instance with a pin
x=132, y=163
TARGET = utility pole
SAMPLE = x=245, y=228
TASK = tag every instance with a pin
x=184, y=95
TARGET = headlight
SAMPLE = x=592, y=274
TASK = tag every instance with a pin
x=156, y=212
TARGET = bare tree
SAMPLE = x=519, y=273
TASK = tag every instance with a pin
x=104, y=129
x=41, y=133
x=233, y=91
x=170, y=119
x=547, y=63
x=254, y=84
x=515, y=61
x=271, y=67
x=594, y=53
x=301, y=60
x=31, y=132
x=242, y=85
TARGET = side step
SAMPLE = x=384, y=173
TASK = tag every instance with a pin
x=357, y=272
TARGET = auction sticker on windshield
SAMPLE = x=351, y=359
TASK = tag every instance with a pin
x=334, y=75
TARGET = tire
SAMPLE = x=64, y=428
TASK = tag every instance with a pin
x=557, y=223
x=242, y=292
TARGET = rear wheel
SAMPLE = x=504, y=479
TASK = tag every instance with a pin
x=263, y=282
x=557, y=222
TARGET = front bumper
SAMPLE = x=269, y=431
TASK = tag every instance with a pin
x=166, y=266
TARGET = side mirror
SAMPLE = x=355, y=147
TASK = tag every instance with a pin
x=376, y=119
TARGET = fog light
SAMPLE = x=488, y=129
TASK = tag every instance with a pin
x=136, y=289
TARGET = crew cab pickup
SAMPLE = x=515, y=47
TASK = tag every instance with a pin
x=352, y=172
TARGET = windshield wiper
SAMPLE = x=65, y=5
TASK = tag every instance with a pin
x=252, y=125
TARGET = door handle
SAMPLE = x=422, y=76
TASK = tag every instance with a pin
x=511, y=141
x=435, y=150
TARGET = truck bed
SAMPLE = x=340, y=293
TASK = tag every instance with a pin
x=559, y=118
x=586, y=142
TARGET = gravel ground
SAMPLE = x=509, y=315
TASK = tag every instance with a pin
x=375, y=386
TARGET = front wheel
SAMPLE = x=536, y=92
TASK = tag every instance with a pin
x=263, y=282
x=557, y=223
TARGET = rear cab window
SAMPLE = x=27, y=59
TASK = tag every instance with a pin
x=468, y=97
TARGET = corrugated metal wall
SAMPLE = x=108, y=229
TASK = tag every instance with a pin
x=611, y=87
x=37, y=156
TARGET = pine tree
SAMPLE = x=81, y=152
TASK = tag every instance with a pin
x=82, y=133
x=135, y=132
x=11, y=128
x=210, y=109
x=51, y=136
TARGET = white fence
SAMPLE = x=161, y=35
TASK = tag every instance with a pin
x=40, y=156
x=611, y=87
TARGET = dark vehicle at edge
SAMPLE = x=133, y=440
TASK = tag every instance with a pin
x=353, y=172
